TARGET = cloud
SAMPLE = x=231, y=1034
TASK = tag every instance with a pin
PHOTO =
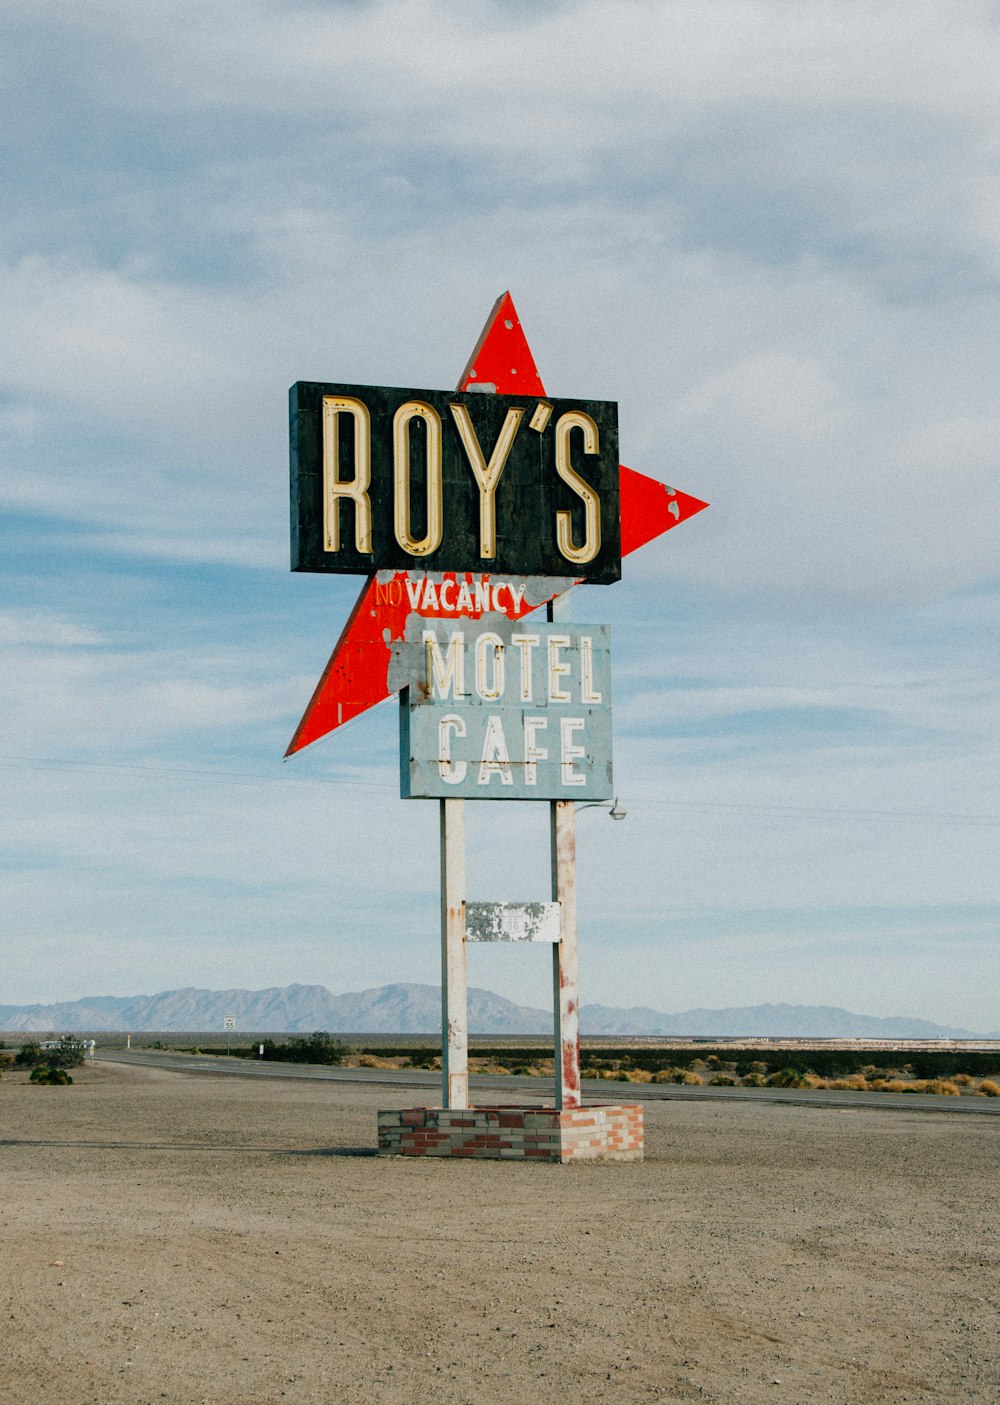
x=769, y=231
x=25, y=627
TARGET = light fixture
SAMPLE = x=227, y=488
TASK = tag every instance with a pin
x=612, y=806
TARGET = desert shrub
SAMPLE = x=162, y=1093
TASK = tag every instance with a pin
x=788, y=1078
x=988, y=1089
x=28, y=1056
x=317, y=1048
x=637, y=1075
x=754, y=1080
x=42, y=1073
x=855, y=1084
x=964, y=1080
x=723, y=1080
x=943, y=1087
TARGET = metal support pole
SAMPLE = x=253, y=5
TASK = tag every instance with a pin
x=565, y=988
x=454, y=995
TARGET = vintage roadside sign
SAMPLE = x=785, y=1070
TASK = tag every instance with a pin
x=468, y=510
x=384, y=477
x=356, y=676
x=494, y=710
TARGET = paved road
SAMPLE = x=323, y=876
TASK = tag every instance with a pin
x=538, y=1089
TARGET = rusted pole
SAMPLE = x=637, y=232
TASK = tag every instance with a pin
x=565, y=990
x=454, y=995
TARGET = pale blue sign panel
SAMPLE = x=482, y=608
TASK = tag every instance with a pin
x=499, y=709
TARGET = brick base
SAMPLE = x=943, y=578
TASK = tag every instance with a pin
x=515, y=1133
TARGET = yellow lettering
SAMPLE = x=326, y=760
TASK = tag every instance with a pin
x=487, y=475
x=576, y=419
x=411, y=410
x=334, y=487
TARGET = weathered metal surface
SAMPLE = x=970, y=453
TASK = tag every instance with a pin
x=512, y=922
x=565, y=986
x=385, y=477
x=357, y=674
x=502, y=711
x=454, y=991
x=355, y=677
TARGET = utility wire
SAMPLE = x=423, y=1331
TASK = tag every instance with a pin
x=282, y=777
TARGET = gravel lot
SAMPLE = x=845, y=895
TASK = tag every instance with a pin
x=200, y=1239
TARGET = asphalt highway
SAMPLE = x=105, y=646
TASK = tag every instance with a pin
x=538, y=1090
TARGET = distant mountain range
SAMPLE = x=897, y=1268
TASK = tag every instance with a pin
x=416, y=1009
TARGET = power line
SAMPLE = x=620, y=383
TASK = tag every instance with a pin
x=282, y=777
x=243, y=777
x=820, y=811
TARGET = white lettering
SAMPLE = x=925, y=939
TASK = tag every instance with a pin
x=449, y=773
x=557, y=669
x=587, y=692
x=482, y=596
x=533, y=753
x=447, y=589
x=569, y=751
x=445, y=671
x=489, y=658
x=496, y=758
x=516, y=595
x=430, y=600
x=524, y=643
x=464, y=601
x=496, y=594
x=413, y=591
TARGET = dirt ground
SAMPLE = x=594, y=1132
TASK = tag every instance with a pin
x=192, y=1239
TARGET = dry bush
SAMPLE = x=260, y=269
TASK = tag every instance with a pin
x=677, y=1075
x=723, y=1080
x=637, y=1075
x=788, y=1078
x=964, y=1080
x=754, y=1080
x=943, y=1087
x=988, y=1089
x=854, y=1084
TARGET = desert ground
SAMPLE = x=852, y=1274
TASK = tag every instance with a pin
x=198, y=1239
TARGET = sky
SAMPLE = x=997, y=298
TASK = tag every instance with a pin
x=770, y=229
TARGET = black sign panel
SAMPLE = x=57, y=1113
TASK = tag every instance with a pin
x=432, y=480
